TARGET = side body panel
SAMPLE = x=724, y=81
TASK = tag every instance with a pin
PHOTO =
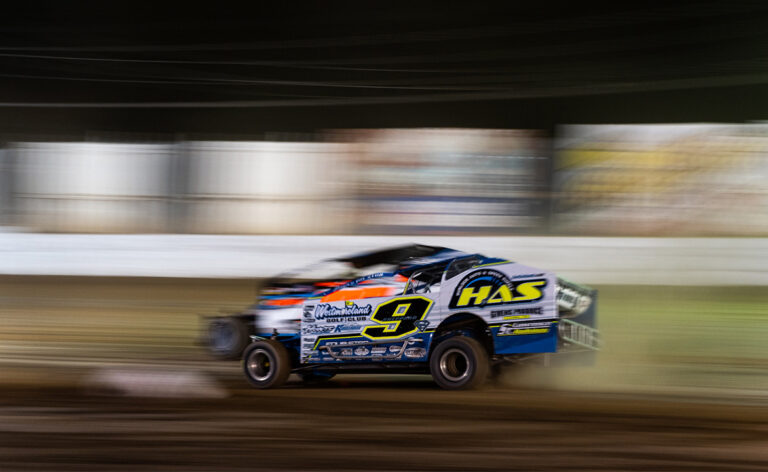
x=516, y=301
x=393, y=329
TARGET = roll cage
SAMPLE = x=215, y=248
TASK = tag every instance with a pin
x=423, y=278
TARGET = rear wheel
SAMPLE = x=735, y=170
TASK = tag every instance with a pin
x=266, y=364
x=459, y=363
x=227, y=337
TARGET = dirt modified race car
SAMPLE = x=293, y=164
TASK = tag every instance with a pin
x=433, y=310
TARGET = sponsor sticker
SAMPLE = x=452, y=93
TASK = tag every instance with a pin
x=378, y=350
x=346, y=327
x=415, y=352
x=361, y=351
x=527, y=276
x=334, y=314
x=517, y=313
x=522, y=328
x=307, y=313
x=571, y=299
x=488, y=287
x=346, y=343
x=313, y=329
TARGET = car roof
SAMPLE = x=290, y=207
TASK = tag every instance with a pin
x=440, y=259
x=393, y=255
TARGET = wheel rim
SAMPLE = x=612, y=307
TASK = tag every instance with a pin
x=454, y=365
x=259, y=365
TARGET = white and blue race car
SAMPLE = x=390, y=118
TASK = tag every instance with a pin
x=434, y=310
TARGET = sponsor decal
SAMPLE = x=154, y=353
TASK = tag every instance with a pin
x=357, y=281
x=346, y=351
x=520, y=313
x=350, y=312
x=571, y=299
x=422, y=325
x=312, y=329
x=346, y=343
x=414, y=352
x=394, y=349
x=343, y=328
x=532, y=327
x=378, y=350
x=488, y=287
x=307, y=313
x=361, y=351
x=527, y=276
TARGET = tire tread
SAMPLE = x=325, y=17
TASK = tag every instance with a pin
x=282, y=359
x=477, y=352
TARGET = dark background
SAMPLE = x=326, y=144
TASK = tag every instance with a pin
x=74, y=69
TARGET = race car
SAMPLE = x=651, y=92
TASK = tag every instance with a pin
x=278, y=304
x=452, y=314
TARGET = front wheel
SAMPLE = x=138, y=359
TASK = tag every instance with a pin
x=459, y=363
x=266, y=364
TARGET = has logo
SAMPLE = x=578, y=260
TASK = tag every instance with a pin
x=489, y=287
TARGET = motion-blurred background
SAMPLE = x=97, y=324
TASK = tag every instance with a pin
x=618, y=180
x=156, y=163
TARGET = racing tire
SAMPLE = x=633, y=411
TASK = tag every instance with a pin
x=227, y=337
x=266, y=364
x=459, y=363
x=316, y=378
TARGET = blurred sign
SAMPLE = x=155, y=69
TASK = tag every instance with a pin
x=449, y=180
x=662, y=179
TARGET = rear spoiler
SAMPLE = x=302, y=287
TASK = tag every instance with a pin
x=577, y=310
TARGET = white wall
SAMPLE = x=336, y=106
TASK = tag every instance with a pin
x=266, y=187
x=652, y=261
x=98, y=187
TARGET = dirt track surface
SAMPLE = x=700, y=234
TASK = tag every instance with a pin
x=55, y=332
x=377, y=424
